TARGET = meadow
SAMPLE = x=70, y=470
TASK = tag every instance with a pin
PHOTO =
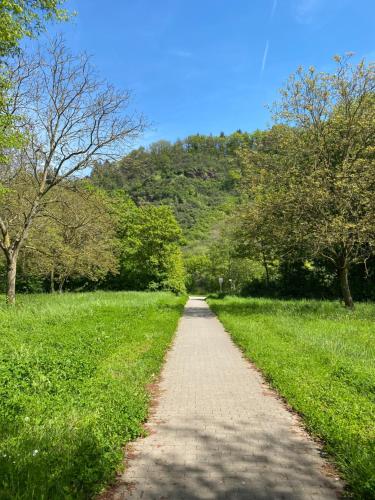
x=321, y=359
x=74, y=372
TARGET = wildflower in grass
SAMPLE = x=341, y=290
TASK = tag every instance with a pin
x=35, y=452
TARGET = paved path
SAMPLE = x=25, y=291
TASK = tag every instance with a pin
x=217, y=431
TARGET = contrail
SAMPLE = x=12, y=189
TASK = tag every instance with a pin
x=274, y=7
x=265, y=54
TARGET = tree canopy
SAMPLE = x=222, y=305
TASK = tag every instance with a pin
x=26, y=18
x=149, y=244
x=310, y=181
x=68, y=118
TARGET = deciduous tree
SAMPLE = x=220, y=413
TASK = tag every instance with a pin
x=150, y=246
x=70, y=118
x=74, y=239
x=311, y=180
x=26, y=18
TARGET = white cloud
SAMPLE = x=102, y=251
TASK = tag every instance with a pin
x=265, y=55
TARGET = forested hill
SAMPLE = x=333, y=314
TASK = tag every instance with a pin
x=197, y=176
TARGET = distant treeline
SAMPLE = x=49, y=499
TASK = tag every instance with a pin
x=197, y=177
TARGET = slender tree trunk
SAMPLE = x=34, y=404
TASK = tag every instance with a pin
x=61, y=285
x=266, y=269
x=52, y=281
x=345, y=288
x=11, y=279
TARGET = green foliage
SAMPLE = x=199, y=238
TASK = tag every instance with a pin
x=320, y=357
x=196, y=176
x=204, y=179
x=73, y=377
x=10, y=137
x=150, y=240
x=204, y=269
x=75, y=239
x=310, y=180
x=198, y=269
x=26, y=18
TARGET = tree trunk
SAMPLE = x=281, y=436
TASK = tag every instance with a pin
x=344, y=284
x=61, y=285
x=52, y=281
x=265, y=264
x=11, y=279
x=11, y=250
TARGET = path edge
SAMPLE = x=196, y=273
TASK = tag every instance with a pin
x=154, y=391
x=329, y=467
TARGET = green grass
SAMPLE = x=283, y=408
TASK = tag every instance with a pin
x=321, y=358
x=74, y=371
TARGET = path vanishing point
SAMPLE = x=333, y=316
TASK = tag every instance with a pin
x=218, y=431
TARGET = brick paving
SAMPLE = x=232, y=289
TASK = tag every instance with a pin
x=218, y=431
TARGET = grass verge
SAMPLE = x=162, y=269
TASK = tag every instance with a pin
x=321, y=358
x=73, y=376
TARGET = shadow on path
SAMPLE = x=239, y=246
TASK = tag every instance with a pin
x=258, y=464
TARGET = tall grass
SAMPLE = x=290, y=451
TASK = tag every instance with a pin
x=73, y=376
x=321, y=358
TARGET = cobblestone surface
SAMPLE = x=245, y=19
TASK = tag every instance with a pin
x=217, y=431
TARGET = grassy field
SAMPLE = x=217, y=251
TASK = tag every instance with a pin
x=321, y=358
x=73, y=376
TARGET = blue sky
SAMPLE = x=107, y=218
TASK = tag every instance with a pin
x=210, y=66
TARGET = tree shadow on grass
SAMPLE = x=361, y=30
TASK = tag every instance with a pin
x=73, y=470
